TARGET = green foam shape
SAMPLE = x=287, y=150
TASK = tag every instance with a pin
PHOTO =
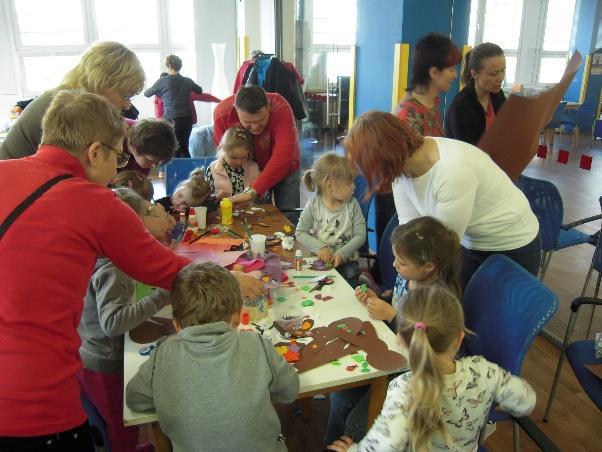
x=336, y=362
x=305, y=288
x=306, y=303
x=365, y=369
x=281, y=299
x=358, y=358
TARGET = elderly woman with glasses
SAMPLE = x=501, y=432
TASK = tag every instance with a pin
x=106, y=68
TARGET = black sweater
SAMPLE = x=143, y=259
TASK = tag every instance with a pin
x=465, y=118
x=174, y=90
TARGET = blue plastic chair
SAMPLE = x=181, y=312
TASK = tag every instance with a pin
x=97, y=424
x=546, y=203
x=578, y=353
x=178, y=170
x=506, y=307
x=581, y=119
x=595, y=265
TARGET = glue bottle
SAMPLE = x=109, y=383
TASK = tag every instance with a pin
x=298, y=260
x=226, y=211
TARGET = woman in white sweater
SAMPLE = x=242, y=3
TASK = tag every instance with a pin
x=452, y=181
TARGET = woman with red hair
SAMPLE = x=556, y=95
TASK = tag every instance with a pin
x=450, y=180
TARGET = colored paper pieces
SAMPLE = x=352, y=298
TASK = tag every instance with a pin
x=344, y=337
x=512, y=139
x=208, y=253
x=318, y=265
x=290, y=351
x=294, y=326
x=152, y=330
x=323, y=297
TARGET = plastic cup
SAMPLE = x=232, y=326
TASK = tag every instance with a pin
x=201, y=216
x=258, y=244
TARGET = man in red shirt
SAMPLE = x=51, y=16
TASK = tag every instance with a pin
x=46, y=259
x=269, y=117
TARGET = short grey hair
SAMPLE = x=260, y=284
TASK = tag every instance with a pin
x=132, y=199
x=204, y=292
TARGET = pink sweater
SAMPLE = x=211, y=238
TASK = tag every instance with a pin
x=223, y=184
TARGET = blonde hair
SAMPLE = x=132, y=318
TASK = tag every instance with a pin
x=430, y=320
x=198, y=185
x=136, y=181
x=75, y=119
x=107, y=65
x=132, y=199
x=236, y=137
x=330, y=167
x=204, y=292
x=426, y=239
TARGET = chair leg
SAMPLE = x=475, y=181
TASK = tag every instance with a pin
x=546, y=263
x=565, y=343
x=589, y=275
x=515, y=438
x=591, y=318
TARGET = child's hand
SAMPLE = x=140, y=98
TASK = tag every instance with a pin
x=380, y=310
x=241, y=198
x=250, y=288
x=341, y=445
x=324, y=255
x=336, y=260
x=363, y=296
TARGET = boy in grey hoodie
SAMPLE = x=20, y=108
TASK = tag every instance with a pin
x=211, y=386
x=111, y=309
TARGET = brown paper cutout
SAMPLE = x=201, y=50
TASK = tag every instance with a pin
x=378, y=354
x=152, y=330
x=513, y=138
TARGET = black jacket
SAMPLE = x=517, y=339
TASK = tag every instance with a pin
x=465, y=118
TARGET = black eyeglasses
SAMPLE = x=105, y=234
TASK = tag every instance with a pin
x=122, y=157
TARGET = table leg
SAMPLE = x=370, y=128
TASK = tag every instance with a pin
x=378, y=392
x=160, y=440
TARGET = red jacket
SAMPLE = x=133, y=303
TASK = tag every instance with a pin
x=276, y=148
x=46, y=260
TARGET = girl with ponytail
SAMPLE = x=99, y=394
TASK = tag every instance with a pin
x=444, y=402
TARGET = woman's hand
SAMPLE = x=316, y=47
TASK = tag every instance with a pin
x=325, y=255
x=362, y=296
x=341, y=445
x=380, y=310
x=250, y=288
x=241, y=198
x=336, y=260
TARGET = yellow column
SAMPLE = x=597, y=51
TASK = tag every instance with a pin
x=585, y=79
x=400, y=73
x=243, y=53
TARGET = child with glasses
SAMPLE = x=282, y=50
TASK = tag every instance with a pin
x=232, y=173
x=444, y=402
x=111, y=309
x=212, y=387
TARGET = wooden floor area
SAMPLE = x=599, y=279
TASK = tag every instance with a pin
x=575, y=424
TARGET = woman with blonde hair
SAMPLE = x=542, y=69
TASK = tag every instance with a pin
x=106, y=68
x=444, y=402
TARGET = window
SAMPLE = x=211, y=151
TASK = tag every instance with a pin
x=534, y=34
x=334, y=22
x=50, y=36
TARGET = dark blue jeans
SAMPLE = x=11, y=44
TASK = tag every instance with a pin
x=528, y=256
x=351, y=272
x=348, y=414
x=77, y=439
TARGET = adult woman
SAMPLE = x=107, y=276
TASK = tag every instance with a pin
x=174, y=89
x=450, y=180
x=433, y=72
x=106, y=68
x=474, y=108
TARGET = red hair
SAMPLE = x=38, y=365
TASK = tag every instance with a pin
x=379, y=144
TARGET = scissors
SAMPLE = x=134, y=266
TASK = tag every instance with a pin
x=147, y=349
x=325, y=281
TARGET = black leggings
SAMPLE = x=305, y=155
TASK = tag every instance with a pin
x=182, y=128
x=77, y=439
x=528, y=256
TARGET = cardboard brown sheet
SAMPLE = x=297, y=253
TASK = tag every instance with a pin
x=152, y=330
x=512, y=139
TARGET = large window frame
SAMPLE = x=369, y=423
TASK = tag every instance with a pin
x=90, y=31
x=530, y=52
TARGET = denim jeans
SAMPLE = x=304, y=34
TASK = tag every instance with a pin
x=287, y=195
x=348, y=414
x=351, y=272
x=77, y=439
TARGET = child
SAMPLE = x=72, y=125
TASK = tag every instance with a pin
x=425, y=250
x=136, y=181
x=234, y=168
x=211, y=386
x=332, y=225
x=111, y=309
x=190, y=193
x=152, y=142
x=442, y=403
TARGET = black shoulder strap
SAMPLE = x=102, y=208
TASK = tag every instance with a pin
x=10, y=219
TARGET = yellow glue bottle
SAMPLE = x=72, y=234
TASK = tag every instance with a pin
x=226, y=211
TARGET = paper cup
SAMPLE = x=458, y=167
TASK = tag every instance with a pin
x=201, y=217
x=258, y=244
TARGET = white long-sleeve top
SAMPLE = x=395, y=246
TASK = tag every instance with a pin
x=468, y=192
x=467, y=397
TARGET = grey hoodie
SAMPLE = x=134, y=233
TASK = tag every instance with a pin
x=213, y=388
x=111, y=309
